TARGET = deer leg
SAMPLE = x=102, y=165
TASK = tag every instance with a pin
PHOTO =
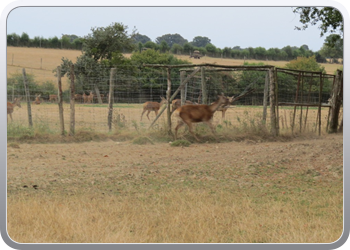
x=223, y=114
x=191, y=130
x=179, y=124
x=149, y=111
x=142, y=114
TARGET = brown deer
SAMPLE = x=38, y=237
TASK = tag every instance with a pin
x=224, y=108
x=177, y=103
x=198, y=113
x=78, y=97
x=152, y=106
x=11, y=106
x=85, y=98
x=90, y=97
x=53, y=98
x=37, y=100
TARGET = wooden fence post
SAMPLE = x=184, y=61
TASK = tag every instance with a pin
x=266, y=89
x=272, y=102
x=26, y=88
x=168, y=95
x=183, y=93
x=60, y=100
x=320, y=104
x=111, y=98
x=72, y=102
x=336, y=101
x=98, y=95
x=295, y=102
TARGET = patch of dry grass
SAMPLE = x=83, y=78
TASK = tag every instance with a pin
x=175, y=216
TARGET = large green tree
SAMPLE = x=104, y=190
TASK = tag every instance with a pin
x=141, y=38
x=333, y=52
x=329, y=19
x=171, y=39
x=104, y=41
x=200, y=41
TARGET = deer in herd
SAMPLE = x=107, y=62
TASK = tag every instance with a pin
x=90, y=97
x=224, y=108
x=78, y=97
x=177, y=103
x=53, y=98
x=198, y=113
x=37, y=99
x=85, y=98
x=11, y=106
x=152, y=106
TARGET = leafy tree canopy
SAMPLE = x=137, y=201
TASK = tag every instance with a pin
x=335, y=51
x=171, y=39
x=200, y=41
x=330, y=20
x=141, y=38
x=306, y=64
x=104, y=41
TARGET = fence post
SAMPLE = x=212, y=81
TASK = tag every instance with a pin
x=60, y=100
x=320, y=104
x=111, y=98
x=98, y=95
x=72, y=102
x=168, y=96
x=272, y=102
x=183, y=93
x=26, y=88
x=336, y=101
x=266, y=89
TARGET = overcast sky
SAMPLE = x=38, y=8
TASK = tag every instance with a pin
x=267, y=27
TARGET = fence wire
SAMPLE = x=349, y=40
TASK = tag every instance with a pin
x=133, y=87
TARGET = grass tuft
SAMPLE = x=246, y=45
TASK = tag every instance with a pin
x=142, y=140
x=180, y=143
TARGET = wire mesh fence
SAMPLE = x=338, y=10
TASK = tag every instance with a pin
x=134, y=86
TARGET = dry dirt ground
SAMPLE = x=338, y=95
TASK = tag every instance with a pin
x=49, y=166
x=299, y=181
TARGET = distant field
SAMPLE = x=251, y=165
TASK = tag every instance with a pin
x=41, y=62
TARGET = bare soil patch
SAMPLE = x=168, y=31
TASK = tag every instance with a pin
x=111, y=191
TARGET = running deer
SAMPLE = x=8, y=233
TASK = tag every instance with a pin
x=11, y=106
x=37, y=99
x=224, y=108
x=152, y=106
x=53, y=98
x=198, y=113
x=177, y=103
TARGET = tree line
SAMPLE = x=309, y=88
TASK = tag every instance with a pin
x=65, y=42
x=176, y=44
